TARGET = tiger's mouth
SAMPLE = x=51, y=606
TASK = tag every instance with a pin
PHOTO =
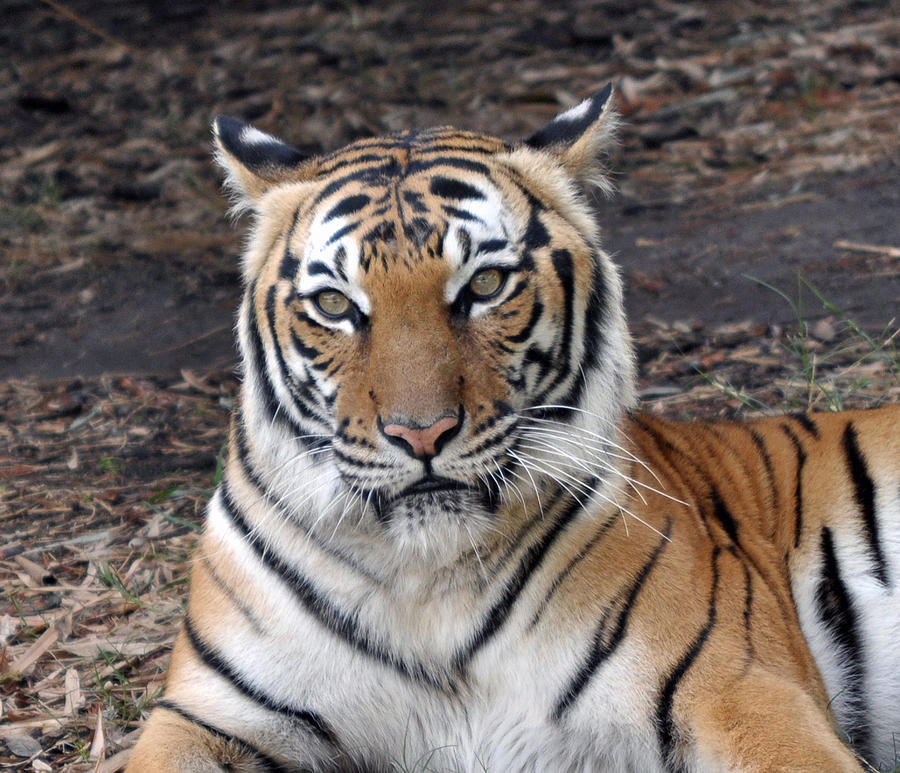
x=431, y=495
x=432, y=484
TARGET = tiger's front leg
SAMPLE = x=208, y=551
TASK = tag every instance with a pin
x=222, y=733
x=172, y=743
x=760, y=723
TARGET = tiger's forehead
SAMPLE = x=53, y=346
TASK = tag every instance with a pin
x=403, y=199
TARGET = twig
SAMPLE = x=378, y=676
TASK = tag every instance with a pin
x=878, y=249
x=185, y=344
x=82, y=22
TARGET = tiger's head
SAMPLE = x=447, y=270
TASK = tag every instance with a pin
x=431, y=334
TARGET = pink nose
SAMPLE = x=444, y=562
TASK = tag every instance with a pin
x=422, y=440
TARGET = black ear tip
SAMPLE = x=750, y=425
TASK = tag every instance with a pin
x=227, y=129
x=603, y=95
x=567, y=127
x=253, y=148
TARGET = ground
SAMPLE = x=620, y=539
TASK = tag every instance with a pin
x=755, y=222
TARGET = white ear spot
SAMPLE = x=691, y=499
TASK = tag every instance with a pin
x=576, y=113
x=253, y=136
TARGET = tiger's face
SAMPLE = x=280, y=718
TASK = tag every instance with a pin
x=430, y=330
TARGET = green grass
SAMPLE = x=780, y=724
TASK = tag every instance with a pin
x=111, y=579
x=117, y=691
x=826, y=376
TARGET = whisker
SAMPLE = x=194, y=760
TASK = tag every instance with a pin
x=596, y=492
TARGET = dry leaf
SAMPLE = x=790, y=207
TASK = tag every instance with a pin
x=22, y=745
x=74, y=696
x=98, y=744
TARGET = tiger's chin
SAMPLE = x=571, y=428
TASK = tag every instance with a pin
x=436, y=523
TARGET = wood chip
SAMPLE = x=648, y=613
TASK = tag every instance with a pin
x=115, y=763
x=90, y=648
x=37, y=572
x=24, y=663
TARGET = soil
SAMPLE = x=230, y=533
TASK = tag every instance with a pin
x=755, y=222
x=757, y=141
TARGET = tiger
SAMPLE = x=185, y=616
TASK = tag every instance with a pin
x=447, y=538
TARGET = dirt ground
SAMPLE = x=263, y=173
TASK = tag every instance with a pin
x=756, y=224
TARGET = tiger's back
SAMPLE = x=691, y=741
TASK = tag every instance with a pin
x=444, y=539
x=806, y=509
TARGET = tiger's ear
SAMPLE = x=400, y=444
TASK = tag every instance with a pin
x=254, y=162
x=579, y=135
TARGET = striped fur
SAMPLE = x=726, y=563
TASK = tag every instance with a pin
x=446, y=541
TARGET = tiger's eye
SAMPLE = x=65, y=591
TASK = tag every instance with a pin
x=485, y=283
x=332, y=303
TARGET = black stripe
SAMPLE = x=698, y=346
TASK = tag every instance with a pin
x=515, y=293
x=806, y=421
x=669, y=450
x=595, y=316
x=242, y=606
x=274, y=501
x=309, y=352
x=217, y=663
x=665, y=723
x=341, y=232
x=418, y=231
x=366, y=464
x=537, y=311
x=380, y=173
x=302, y=396
x=289, y=267
x=543, y=361
x=340, y=257
x=449, y=188
x=348, y=206
x=318, y=267
x=491, y=245
x=565, y=272
x=499, y=438
x=334, y=164
x=763, y=451
x=345, y=627
x=465, y=244
x=268, y=764
x=460, y=214
x=528, y=565
x=383, y=231
x=723, y=515
x=748, y=605
x=255, y=363
x=865, y=498
x=536, y=233
x=798, y=482
x=464, y=144
x=451, y=162
x=514, y=544
x=570, y=567
x=415, y=200
x=609, y=633
x=835, y=610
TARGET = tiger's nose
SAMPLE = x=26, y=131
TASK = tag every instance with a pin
x=423, y=441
